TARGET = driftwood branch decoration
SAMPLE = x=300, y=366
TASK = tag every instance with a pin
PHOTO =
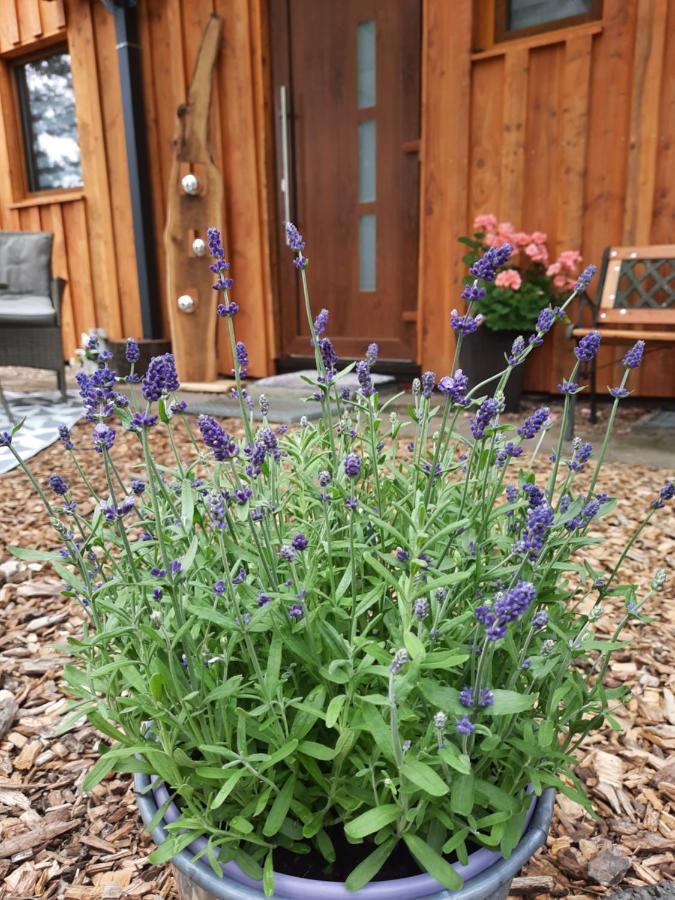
x=194, y=205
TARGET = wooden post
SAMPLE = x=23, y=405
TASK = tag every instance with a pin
x=193, y=334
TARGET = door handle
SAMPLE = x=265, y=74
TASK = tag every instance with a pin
x=285, y=178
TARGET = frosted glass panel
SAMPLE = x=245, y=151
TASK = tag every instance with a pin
x=367, y=252
x=365, y=64
x=367, y=158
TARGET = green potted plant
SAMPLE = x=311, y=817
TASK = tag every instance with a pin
x=341, y=660
x=510, y=304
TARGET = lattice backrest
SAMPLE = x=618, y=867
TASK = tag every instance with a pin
x=639, y=285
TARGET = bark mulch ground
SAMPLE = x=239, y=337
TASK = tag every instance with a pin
x=57, y=842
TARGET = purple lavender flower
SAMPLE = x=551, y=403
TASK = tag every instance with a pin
x=132, y=351
x=585, y=278
x=534, y=423
x=540, y=619
x=581, y=454
x=242, y=358
x=141, y=420
x=467, y=698
x=215, y=242
x=103, y=437
x=295, y=242
x=401, y=554
x=633, y=357
x=161, y=378
x=64, y=437
x=588, y=346
x=352, y=503
x=421, y=608
x=484, y=416
x=517, y=348
x=371, y=354
x=328, y=356
x=126, y=506
x=511, y=492
x=227, y=310
x=506, y=452
x=156, y=572
x=287, y=553
x=539, y=520
x=296, y=611
x=321, y=322
x=137, y=486
x=465, y=325
x=325, y=478
x=300, y=542
x=219, y=587
x=546, y=320
x=352, y=465
x=428, y=380
x=263, y=599
x=512, y=604
x=569, y=387
x=493, y=258
x=98, y=392
x=58, y=485
x=157, y=593
x=667, y=492
x=455, y=387
x=178, y=407
x=364, y=378
x=217, y=439
x=471, y=292
x=92, y=342
x=619, y=392
x=243, y=494
x=399, y=660
x=240, y=577
x=175, y=566
x=465, y=726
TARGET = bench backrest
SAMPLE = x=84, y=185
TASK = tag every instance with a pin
x=638, y=286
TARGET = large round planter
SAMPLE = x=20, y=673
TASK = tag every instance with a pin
x=487, y=876
x=481, y=356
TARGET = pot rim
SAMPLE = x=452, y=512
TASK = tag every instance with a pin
x=153, y=793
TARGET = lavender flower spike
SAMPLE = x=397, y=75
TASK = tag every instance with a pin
x=633, y=357
x=493, y=258
x=161, y=378
x=588, y=346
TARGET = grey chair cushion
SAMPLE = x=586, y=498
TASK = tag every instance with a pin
x=25, y=262
x=26, y=309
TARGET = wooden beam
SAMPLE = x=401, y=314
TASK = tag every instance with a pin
x=516, y=66
x=97, y=188
x=644, y=120
x=446, y=85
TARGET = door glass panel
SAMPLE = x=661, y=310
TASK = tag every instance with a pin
x=367, y=252
x=367, y=161
x=365, y=64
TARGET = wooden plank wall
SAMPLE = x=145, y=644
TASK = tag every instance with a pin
x=94, y=248
x=573, y=133
x=171, y=30
x=93, y=243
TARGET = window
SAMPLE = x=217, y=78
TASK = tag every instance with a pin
x=49, y=122
x=516, y=18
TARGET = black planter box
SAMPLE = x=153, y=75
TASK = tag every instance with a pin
x=482, y=355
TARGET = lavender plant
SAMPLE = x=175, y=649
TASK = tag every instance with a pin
x=369, y=627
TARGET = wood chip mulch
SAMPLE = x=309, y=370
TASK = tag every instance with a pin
x=56, y=842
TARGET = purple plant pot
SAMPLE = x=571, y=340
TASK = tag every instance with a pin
x=487, y=875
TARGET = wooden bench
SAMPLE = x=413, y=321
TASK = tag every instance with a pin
x=635, y=300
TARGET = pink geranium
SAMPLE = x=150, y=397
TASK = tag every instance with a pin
x=537, y=252
x=538, y=237
x=486, y=222
x=509, y=278
x=569, y=260
x=554, y=269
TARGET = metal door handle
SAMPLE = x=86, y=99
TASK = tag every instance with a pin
x=285, y=184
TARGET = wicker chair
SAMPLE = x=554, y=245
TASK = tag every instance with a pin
x=30, y=304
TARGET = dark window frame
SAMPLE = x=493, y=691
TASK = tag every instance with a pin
x=23, y=115
x=503, y=33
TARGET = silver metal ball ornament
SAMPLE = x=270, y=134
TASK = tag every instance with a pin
x=198, y=247
x=190, y=184
x=186, y=303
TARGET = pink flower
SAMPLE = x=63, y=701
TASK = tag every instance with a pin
x=521, y=238
x=554, y=269
x=509, y=278
x=539, y=237
x=537, y=253
x=487, y=222
x=569, y=260
x=560, y=281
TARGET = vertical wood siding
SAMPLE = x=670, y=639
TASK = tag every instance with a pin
x=572, y=133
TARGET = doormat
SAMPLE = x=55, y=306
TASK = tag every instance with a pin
x=44, y=412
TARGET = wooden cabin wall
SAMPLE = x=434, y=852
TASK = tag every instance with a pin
x=93, y=240
x=572, y=132
x=171, y=32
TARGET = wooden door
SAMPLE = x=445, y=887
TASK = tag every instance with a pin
x=348, y=74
